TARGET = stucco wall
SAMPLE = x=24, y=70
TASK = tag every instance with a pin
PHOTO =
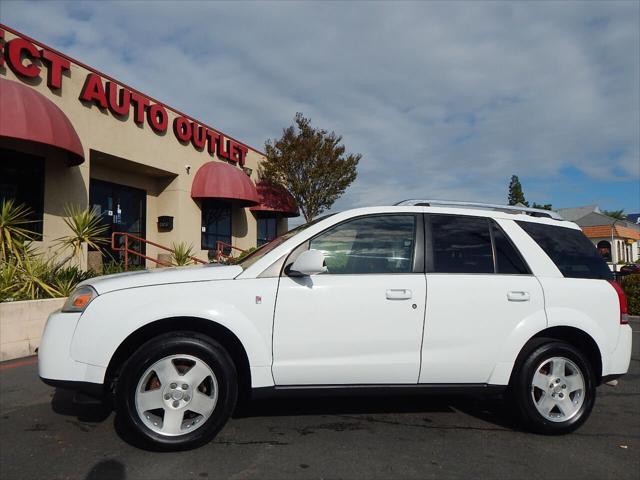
x=136, y=156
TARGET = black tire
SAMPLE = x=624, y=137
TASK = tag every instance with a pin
x=521, y=388
x=192, y=344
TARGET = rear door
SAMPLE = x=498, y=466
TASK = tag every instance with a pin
x=480, y=291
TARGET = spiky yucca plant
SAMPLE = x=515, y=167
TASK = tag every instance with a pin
x=14, y=237
x=35, y=274
x=65, y=279
x=181, y=254
x=85, y=227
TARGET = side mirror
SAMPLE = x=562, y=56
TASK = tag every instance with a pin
x=309, y=263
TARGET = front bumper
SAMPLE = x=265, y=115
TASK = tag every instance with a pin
x=55, y=365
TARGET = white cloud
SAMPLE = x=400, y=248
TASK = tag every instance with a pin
x=442, y=99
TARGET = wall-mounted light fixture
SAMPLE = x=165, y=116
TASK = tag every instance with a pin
x=187, y=168
x=247, y=170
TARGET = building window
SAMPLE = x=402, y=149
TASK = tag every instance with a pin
x=22, y=179
x=604, y=248
x=619, y=251
x=216, y=224
x=267, y=228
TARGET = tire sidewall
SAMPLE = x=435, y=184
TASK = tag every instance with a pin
x=522, y=389
x=208, y=351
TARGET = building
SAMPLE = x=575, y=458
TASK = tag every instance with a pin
x=618, y=241
x=70, y=134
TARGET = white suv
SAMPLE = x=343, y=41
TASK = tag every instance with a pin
x=424, y=295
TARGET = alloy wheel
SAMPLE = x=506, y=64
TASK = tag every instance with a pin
x=176, y=395
x=558, y=389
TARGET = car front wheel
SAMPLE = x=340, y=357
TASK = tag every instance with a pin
x=177, y=391
x=554, y=389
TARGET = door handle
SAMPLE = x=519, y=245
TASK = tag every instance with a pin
x=398, y=294
x=515, y=296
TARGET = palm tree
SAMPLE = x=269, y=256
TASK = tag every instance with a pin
x=618, y=214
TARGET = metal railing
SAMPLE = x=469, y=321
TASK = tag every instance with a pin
x=129, y=251
x=221, y=247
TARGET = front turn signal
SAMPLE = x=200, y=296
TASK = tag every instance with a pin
x=79, y=299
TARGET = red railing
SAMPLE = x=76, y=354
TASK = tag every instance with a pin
x=129, y=251
x=220, y=256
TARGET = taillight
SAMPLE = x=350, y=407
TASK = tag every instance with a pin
x=624, y=313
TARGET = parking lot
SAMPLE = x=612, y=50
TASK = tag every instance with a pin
x=43, y=435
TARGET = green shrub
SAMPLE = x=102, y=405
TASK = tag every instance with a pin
x=112, y=267
x=631, y=287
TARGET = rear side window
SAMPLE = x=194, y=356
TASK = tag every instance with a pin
x=572, y=252
x=508, y=259
x=473, y=245
x=461, y=244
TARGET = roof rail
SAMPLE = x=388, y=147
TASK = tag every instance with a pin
x=534, y=212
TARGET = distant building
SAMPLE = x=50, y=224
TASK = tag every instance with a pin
x=617, y=240
x=575, y=213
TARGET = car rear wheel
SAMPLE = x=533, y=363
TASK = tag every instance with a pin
x=554, y=388
x=177, y=391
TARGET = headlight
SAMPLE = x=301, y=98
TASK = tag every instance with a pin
x=79, y=299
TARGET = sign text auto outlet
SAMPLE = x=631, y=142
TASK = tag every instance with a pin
x=28, y=61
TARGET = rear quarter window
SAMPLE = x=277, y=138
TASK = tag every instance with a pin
x=572, y=252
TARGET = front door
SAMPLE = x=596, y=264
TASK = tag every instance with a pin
x=122, y=209
x=361, y=321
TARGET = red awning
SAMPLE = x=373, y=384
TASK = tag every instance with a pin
x=26, y=114
x=276, y=199
x=223, y=181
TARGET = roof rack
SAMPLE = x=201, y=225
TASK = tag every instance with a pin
x=534, y=212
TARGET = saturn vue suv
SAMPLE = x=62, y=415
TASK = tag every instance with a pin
x=424, y=296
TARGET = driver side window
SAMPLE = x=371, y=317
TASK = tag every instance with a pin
x=374, y=244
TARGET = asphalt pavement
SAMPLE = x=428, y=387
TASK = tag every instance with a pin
x=44, y=435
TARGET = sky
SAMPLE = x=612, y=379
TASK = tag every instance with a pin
x=443, y=100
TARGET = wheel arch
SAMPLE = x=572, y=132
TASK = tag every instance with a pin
x=212, y=329
x=579, y=339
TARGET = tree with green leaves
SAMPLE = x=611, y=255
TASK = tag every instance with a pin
x=311, y=164
x=516, y=195
x=617, y=214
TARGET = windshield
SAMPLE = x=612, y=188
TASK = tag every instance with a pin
x=256, y=255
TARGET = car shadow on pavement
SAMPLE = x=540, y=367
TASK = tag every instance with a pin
x=63, y=403
x=491, y=409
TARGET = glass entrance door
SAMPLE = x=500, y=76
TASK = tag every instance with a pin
x=122, y=209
